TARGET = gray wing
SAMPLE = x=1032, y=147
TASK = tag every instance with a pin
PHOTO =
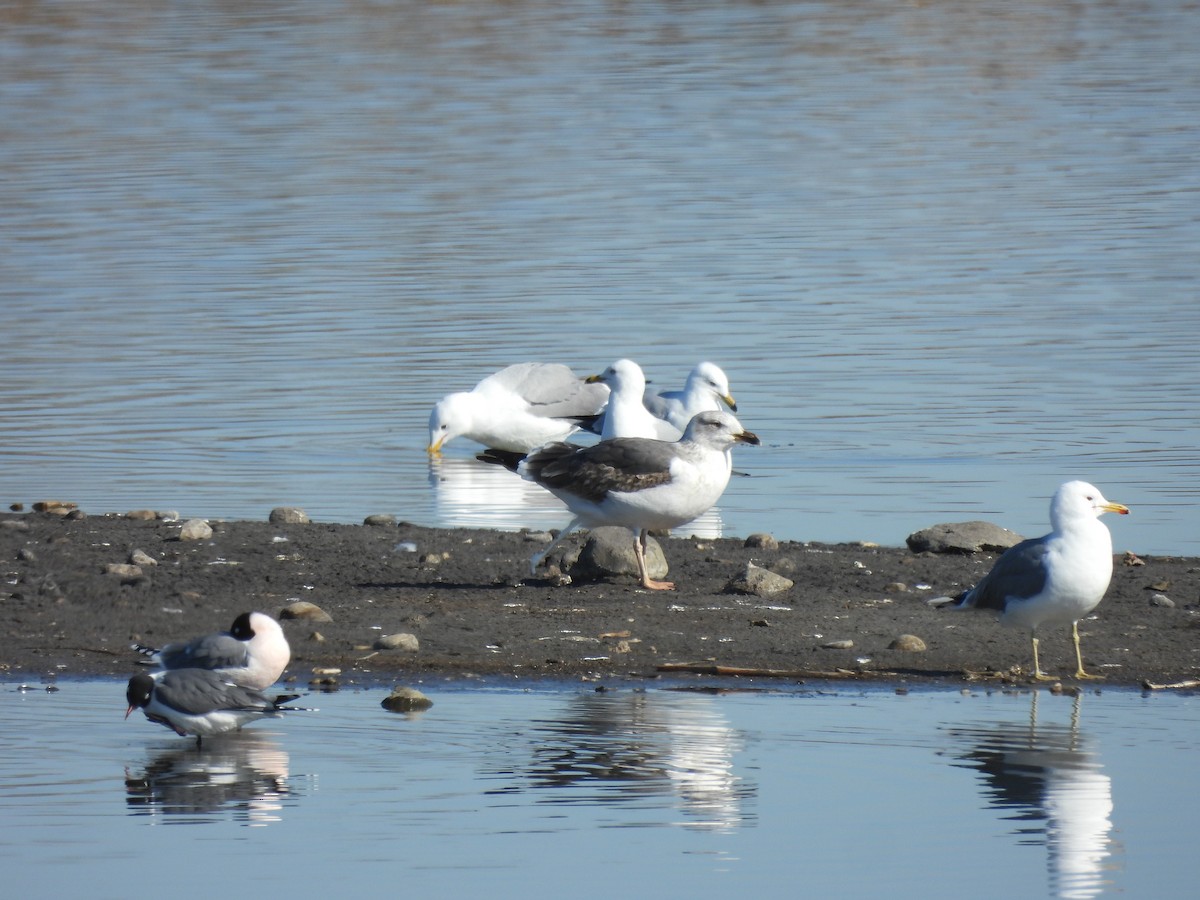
x=213, y=651
x=550, y=389
x=1019, y=572
x=200, y=691
x=663, y=404
x=620, y=464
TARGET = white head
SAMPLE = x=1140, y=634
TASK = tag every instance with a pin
x=711, y=378
x=451, y=417
x=718, y=429
x=624, y=377
x=1078, y=501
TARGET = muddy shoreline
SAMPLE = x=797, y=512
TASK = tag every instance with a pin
x=467, y=598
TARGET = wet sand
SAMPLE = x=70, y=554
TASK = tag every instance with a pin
x=467, y=598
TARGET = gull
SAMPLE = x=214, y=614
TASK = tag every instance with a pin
x=518, y=408
x=626, y=415
x=198, y=701
x=1054, y=579
x=639, y=483
x=253, y=653
x=707, y=387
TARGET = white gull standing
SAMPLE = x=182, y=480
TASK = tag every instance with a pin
x=518, y=408
x=253, y=653
x=626, y=415
x=1054, y=579
x=639, y=483
x=707, y=387
x=198, y=701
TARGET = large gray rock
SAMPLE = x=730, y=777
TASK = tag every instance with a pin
x=963, y=537
x=608, y=552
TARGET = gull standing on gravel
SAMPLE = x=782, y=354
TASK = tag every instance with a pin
x=639, y=483
x=198, y=701
x=518, y=408
x=707, y=387
x=626, y=415
x=253, y=653
x=1054, y=579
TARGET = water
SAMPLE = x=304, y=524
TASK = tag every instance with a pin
x=947, y=253
x=499, y=791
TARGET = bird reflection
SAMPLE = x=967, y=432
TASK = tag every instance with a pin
x=473, y=494
x=631, y=748
x=243, y=773
x=1048, y=778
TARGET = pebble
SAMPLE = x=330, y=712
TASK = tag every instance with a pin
x=317, y=638
x=14, y=525
x=62, y=507
x=1162, y=600
x=288, y=515
x=124, y=571
x=405, y=699
x=758, y=581
x=302, y=609
x=405, y=547
x=908, y=643
x=142, y=558
x=897, y=587
x=838, y=645
x=379, y=520
x=402, y=641
x=195, y=530
x=26, y=555
x=141, y=515
x=762, y=541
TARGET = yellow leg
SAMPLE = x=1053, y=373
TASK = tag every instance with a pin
x=1079, y=673
x=1038, y=674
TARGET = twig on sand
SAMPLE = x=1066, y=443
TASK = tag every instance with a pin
x=753, y=672
x=1178, y=685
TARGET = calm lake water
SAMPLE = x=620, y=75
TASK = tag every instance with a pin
x=947, y=253
x=552, y=790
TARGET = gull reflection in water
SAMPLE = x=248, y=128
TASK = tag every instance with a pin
x=244, y=773
x=473, y=494
x=639, y=748
x=1048, y=776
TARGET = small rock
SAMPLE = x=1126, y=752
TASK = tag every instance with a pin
x=379, y=520
x=141, y=515
x=302, y=609
x=1132, y=559
x=15, y=525
x=124, y=571
x=430, y=559
x=897, y=587
x=537, y=537
x=142, y=558
x=195, y=530
x=317, y=638
x=326, y=671
x=405, y=547
x=288, y=515
x=1159, y=586
x=838, y=645
x=17, y=507
x=405, y=699
x=758, y=581
x=786, y=566
x=1162, y=600
x=762, y=541
x=908, y=643
x=406, y=642
x=962, y=537
x=168, y=515
x=608, y=552
x=59, y=506
x=26, y=555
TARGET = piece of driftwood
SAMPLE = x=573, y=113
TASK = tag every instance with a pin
x=752, y=672
x=1178, y=685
